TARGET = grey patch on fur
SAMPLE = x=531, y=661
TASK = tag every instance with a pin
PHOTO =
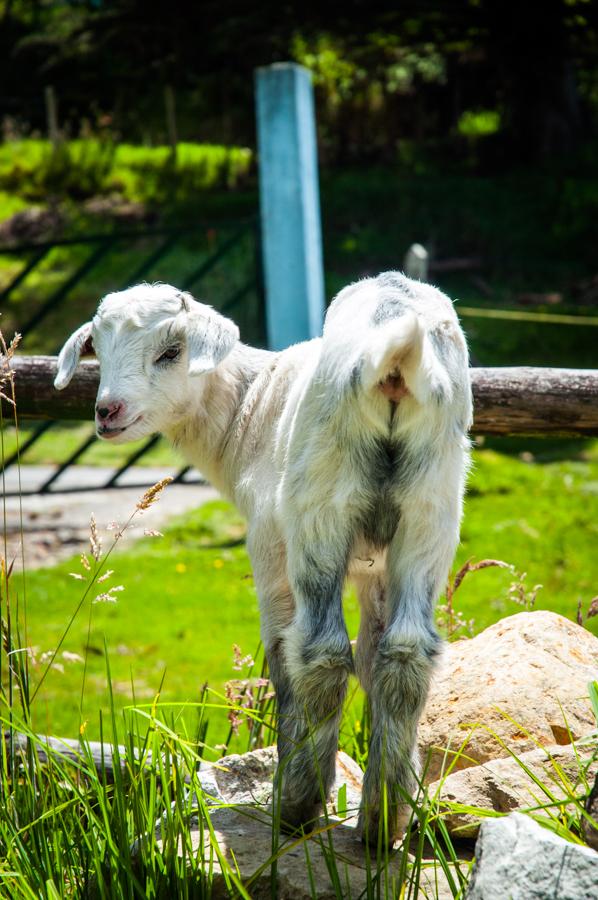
x=385, y=466
x=321, y=592
x=390, y=306
x=443, y=347
x=379, y=521
x=397, y=281
x=306, y=756
x=278, y=675
x=355, y=376
x=376, y=466
x=438, y=395
x=305, y=775
x=320, y=589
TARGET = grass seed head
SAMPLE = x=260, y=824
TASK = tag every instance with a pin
x=153, y=493
x=95, y=541
x=6, y=373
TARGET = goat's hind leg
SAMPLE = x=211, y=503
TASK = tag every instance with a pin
x=317, y=660
x=402, y=668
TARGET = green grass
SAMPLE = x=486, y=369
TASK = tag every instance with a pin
x=187, y=600
x=541, y=517
x=189, y=596
x=33, y=168
x=61, y=441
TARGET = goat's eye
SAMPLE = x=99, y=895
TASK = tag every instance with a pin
x=169, y=354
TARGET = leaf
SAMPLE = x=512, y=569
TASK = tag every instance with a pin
x=341, y=803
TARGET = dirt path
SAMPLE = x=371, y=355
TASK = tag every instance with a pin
x=55, y=526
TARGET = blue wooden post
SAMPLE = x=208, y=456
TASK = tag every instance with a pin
x=290, y=204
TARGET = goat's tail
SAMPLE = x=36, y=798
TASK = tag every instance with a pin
x=399, y=360
x=393, y=350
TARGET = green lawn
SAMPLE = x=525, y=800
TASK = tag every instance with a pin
x=189, y=595
x=60, y=441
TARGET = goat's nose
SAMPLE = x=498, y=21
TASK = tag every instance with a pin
x=108, y=410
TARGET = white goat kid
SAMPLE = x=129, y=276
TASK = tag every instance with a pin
x=347, y=454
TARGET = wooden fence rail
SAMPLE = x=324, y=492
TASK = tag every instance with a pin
x=518, y=400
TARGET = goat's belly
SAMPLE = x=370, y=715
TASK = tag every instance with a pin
x=365, y=560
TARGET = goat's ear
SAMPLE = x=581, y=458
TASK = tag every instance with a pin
x=78, y=343
x=210, y=338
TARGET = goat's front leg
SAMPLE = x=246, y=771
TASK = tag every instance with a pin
x=317, y=663
x=417, y=565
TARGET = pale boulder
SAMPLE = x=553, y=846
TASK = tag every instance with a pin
x=508, y=785
x=521, y=682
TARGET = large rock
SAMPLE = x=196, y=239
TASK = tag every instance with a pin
x=505, y=785
x=522, y=682
x=590, y=826
x=246, y=780
x=518, y=859
x=238, y=790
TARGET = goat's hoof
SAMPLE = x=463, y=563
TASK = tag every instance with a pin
x=377, y=834
x=299, y=817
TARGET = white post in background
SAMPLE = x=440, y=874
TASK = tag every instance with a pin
x=290, y=204
x=416, y=262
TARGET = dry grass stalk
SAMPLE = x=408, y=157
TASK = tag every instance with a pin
x=7, y=376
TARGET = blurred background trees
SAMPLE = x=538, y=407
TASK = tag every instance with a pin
x=521, y=79
x=470, y=126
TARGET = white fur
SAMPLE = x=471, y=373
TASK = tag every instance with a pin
x=335, y=479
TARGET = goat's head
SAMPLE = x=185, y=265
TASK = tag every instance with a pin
x=151, y=342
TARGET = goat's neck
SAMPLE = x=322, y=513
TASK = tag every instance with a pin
x=201, y=435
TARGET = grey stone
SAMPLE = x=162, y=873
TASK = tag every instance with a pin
x=238, y=791
x=517, y=859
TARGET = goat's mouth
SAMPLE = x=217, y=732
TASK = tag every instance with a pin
x=105, y=432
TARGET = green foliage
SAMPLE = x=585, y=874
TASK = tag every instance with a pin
x=436, y=59
x=11, y=204
x=381, y=64
x=154, y=175
x=479, y=123
x=34, y=169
